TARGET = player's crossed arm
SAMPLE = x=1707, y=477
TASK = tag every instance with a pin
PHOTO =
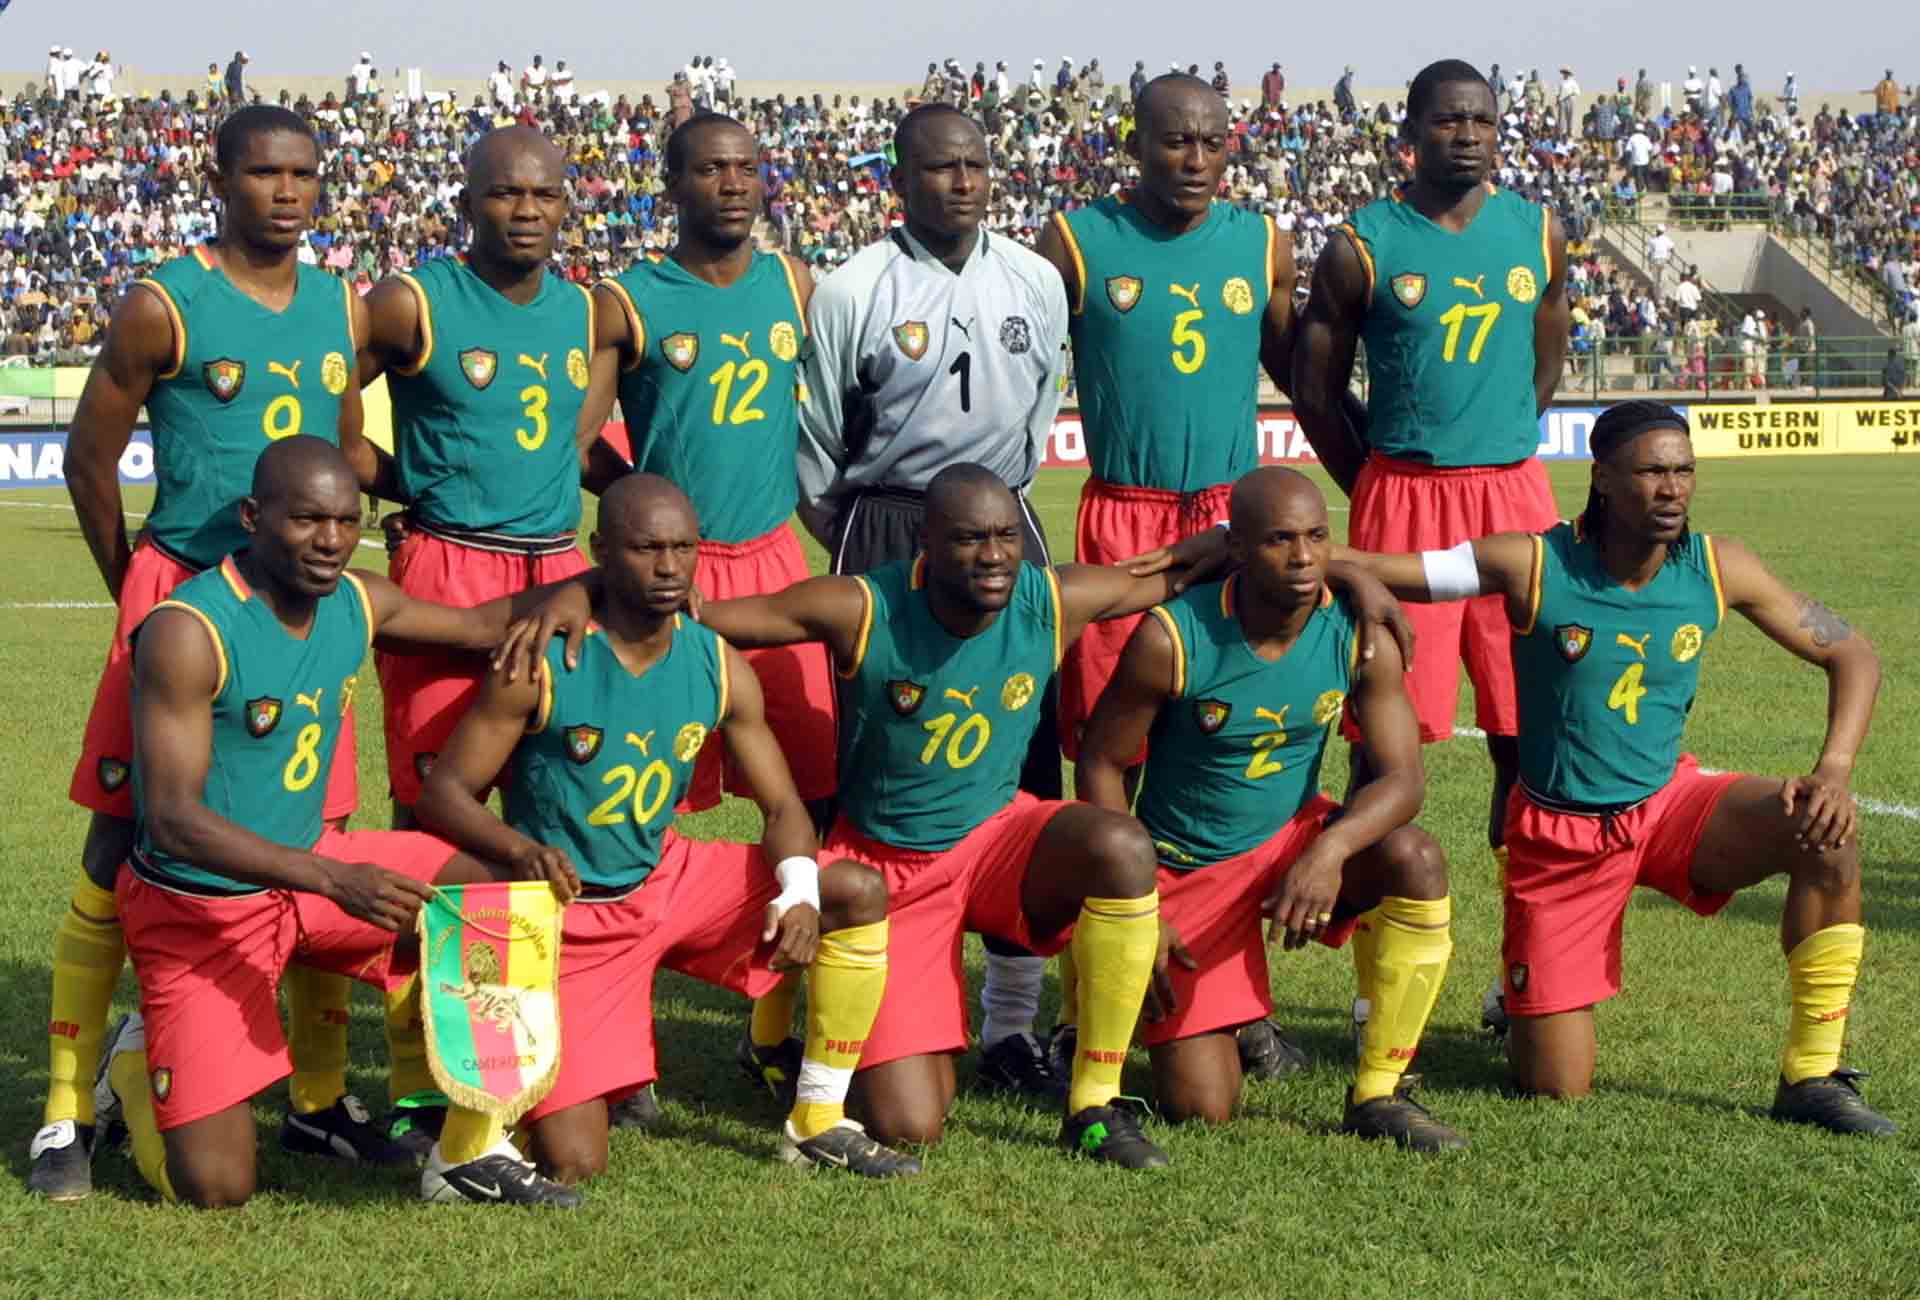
x=833, y=610
x=1506, y=564
x=1325, y=343
x=510, y=626
x=619, y=337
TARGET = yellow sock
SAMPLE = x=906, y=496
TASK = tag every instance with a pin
x=408, y=1071
x=468, y=1135
x=1114, y=943
x=88, y=950
x=1412, y=946
x=128, y=1074
x=772, y=1020
x=1366, y=945
x=316, y=1037
x=1069, y=989
x=844, y=987
x=1821, y=971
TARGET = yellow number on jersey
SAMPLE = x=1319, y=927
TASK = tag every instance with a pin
x=1186, y=336
x=648, y=789
x=1263, y=762
x=1626, y=693
x=281, y=419
x=965, y=743
x=535, y=396
x=753, y=376
x=1456, y=316
x=304, y=765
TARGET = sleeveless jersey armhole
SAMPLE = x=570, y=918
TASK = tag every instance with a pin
x=852, y=670
x=1533, y=586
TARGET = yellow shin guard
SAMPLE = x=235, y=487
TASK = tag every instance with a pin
x=845, y=984
x=1412, y=946
x=88, y=951
x=1821, y=970
x=1114, y=944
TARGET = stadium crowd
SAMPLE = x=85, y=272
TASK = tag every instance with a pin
x=96, y=189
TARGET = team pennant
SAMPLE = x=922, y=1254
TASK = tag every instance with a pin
x=489, y=969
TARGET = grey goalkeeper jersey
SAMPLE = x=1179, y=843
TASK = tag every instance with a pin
x=914, y=367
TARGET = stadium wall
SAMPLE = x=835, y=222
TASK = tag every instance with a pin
x=35, y=458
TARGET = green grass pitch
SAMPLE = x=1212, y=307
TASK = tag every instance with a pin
x=1667, y=1182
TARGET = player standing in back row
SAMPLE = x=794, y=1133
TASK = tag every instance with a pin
x=1459, y=291
x=1176, y=301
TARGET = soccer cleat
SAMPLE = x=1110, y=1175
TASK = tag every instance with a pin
x=1266, y=1054
x=1018, y=1063
x=1062, y=1044
x=1410, y=1125
x=845, y=1146
x=776, y=1068
x=343, y=1131
x=641, y=1111
x=1112, y=1133
x=1832, y=1102
x=129, y=1034
x=499, y=1177
x=62, y=1162
x=1493, y=1009
x=416, y=1120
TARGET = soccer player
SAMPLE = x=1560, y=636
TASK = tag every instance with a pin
x=1176, y=301
x=1459, y=291
x=228, y=348
x=1611, y=615
x=241, y=680
x=599, y=757
x=1239, y=685
x=940, y=344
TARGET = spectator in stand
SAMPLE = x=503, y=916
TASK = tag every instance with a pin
x=1569, y=97
x=1740, y=101
x=533, y=82
x=1273, y=88
x=1343, y=94
x=236, y=79
x=1642, y=96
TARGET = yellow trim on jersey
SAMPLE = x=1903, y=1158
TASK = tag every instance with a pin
x=213, y=634
x=199, y=253
x=634, y=324
x=179, y=325
x=726, y=680
x=1713, y=567
x=353, y=340
x=426, y=325
x=1353, y=656
x=917, y=576
x=1326, y=596
x=1533, y=585
x=1059, y=618
x=793, y=287
x=1179, y=649
x=866, y=630
x=1366, y=258
x=1546, y=243
x=587, y=293
x=1079, y=262
x=366, y=603
x=1273, y=249
x=235, y=582
x=1226, y=595
x=543, y=709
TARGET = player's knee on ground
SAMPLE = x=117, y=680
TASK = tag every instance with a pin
x=1415, y=865
x=1202, y=1096
x=1120, y=856
x=211, y=1180
x=568, y=1153
x=1550, y=1058
x=896, y=1114
x=851, y=894
x=109, y=841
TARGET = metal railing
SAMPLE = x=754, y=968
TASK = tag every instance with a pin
x=1720, y=366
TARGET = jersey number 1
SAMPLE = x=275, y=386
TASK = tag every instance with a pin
x=963, y=367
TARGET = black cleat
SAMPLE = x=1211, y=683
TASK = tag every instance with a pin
x=1267, y=1054
x=1112, y=1133
x=343, y=1131
x=641, y=1111
x=1493, y=1010
x=1411, y=1125
x=1019, y=1064
x=416, y=1121
x=1062, y=1044
x=500, y=1177
x=1832, y=1102
x=845, y=1146
x=62, y=1156
x=128, y=1034
x=775, y=1069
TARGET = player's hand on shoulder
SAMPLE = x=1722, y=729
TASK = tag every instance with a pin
x=1161, y=999
x=1375, y=610
x=1200, y=559
x=1301, y=907
x=568, y=609
x=544, y=862
x=375, y=895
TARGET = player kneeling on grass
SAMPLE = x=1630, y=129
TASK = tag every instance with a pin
x=242, y=679
x=597, y=758
x=1237, y=686
x=1611, y=615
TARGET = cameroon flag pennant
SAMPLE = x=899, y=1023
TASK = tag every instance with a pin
x=489, y=966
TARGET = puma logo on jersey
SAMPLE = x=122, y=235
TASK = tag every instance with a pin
x=311, y=701
x=1277, y=719
x=289, y=373
x=1191, y=295
x=1638, y=647
x=740, y=342
x=966, y=329
x=965, y=697
x=641, y=743
x=538, y=367
x=1477, y=284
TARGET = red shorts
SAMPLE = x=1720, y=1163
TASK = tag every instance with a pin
x=209, y=969
x=699, y=913
x=426, y=694
x=796, y=681
x=1400, y=506
x=1217, y=912
x=102, y=777
x=934, y=898
x=1117, y=523
x=1569, y=878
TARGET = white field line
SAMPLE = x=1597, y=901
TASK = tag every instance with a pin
x=131, y=514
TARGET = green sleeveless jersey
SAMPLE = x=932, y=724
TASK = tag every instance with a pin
x=1449, y=331
x=277, y=711
x=1236, y=752
x=711, y=402
x=242, y=377
x=935, y=726
x=1166, y=342
x=608, y=756
x=1606, y=675
x=483, y=423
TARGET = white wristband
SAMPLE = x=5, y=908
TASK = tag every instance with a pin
x=799, y=883
x=1452, y=574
